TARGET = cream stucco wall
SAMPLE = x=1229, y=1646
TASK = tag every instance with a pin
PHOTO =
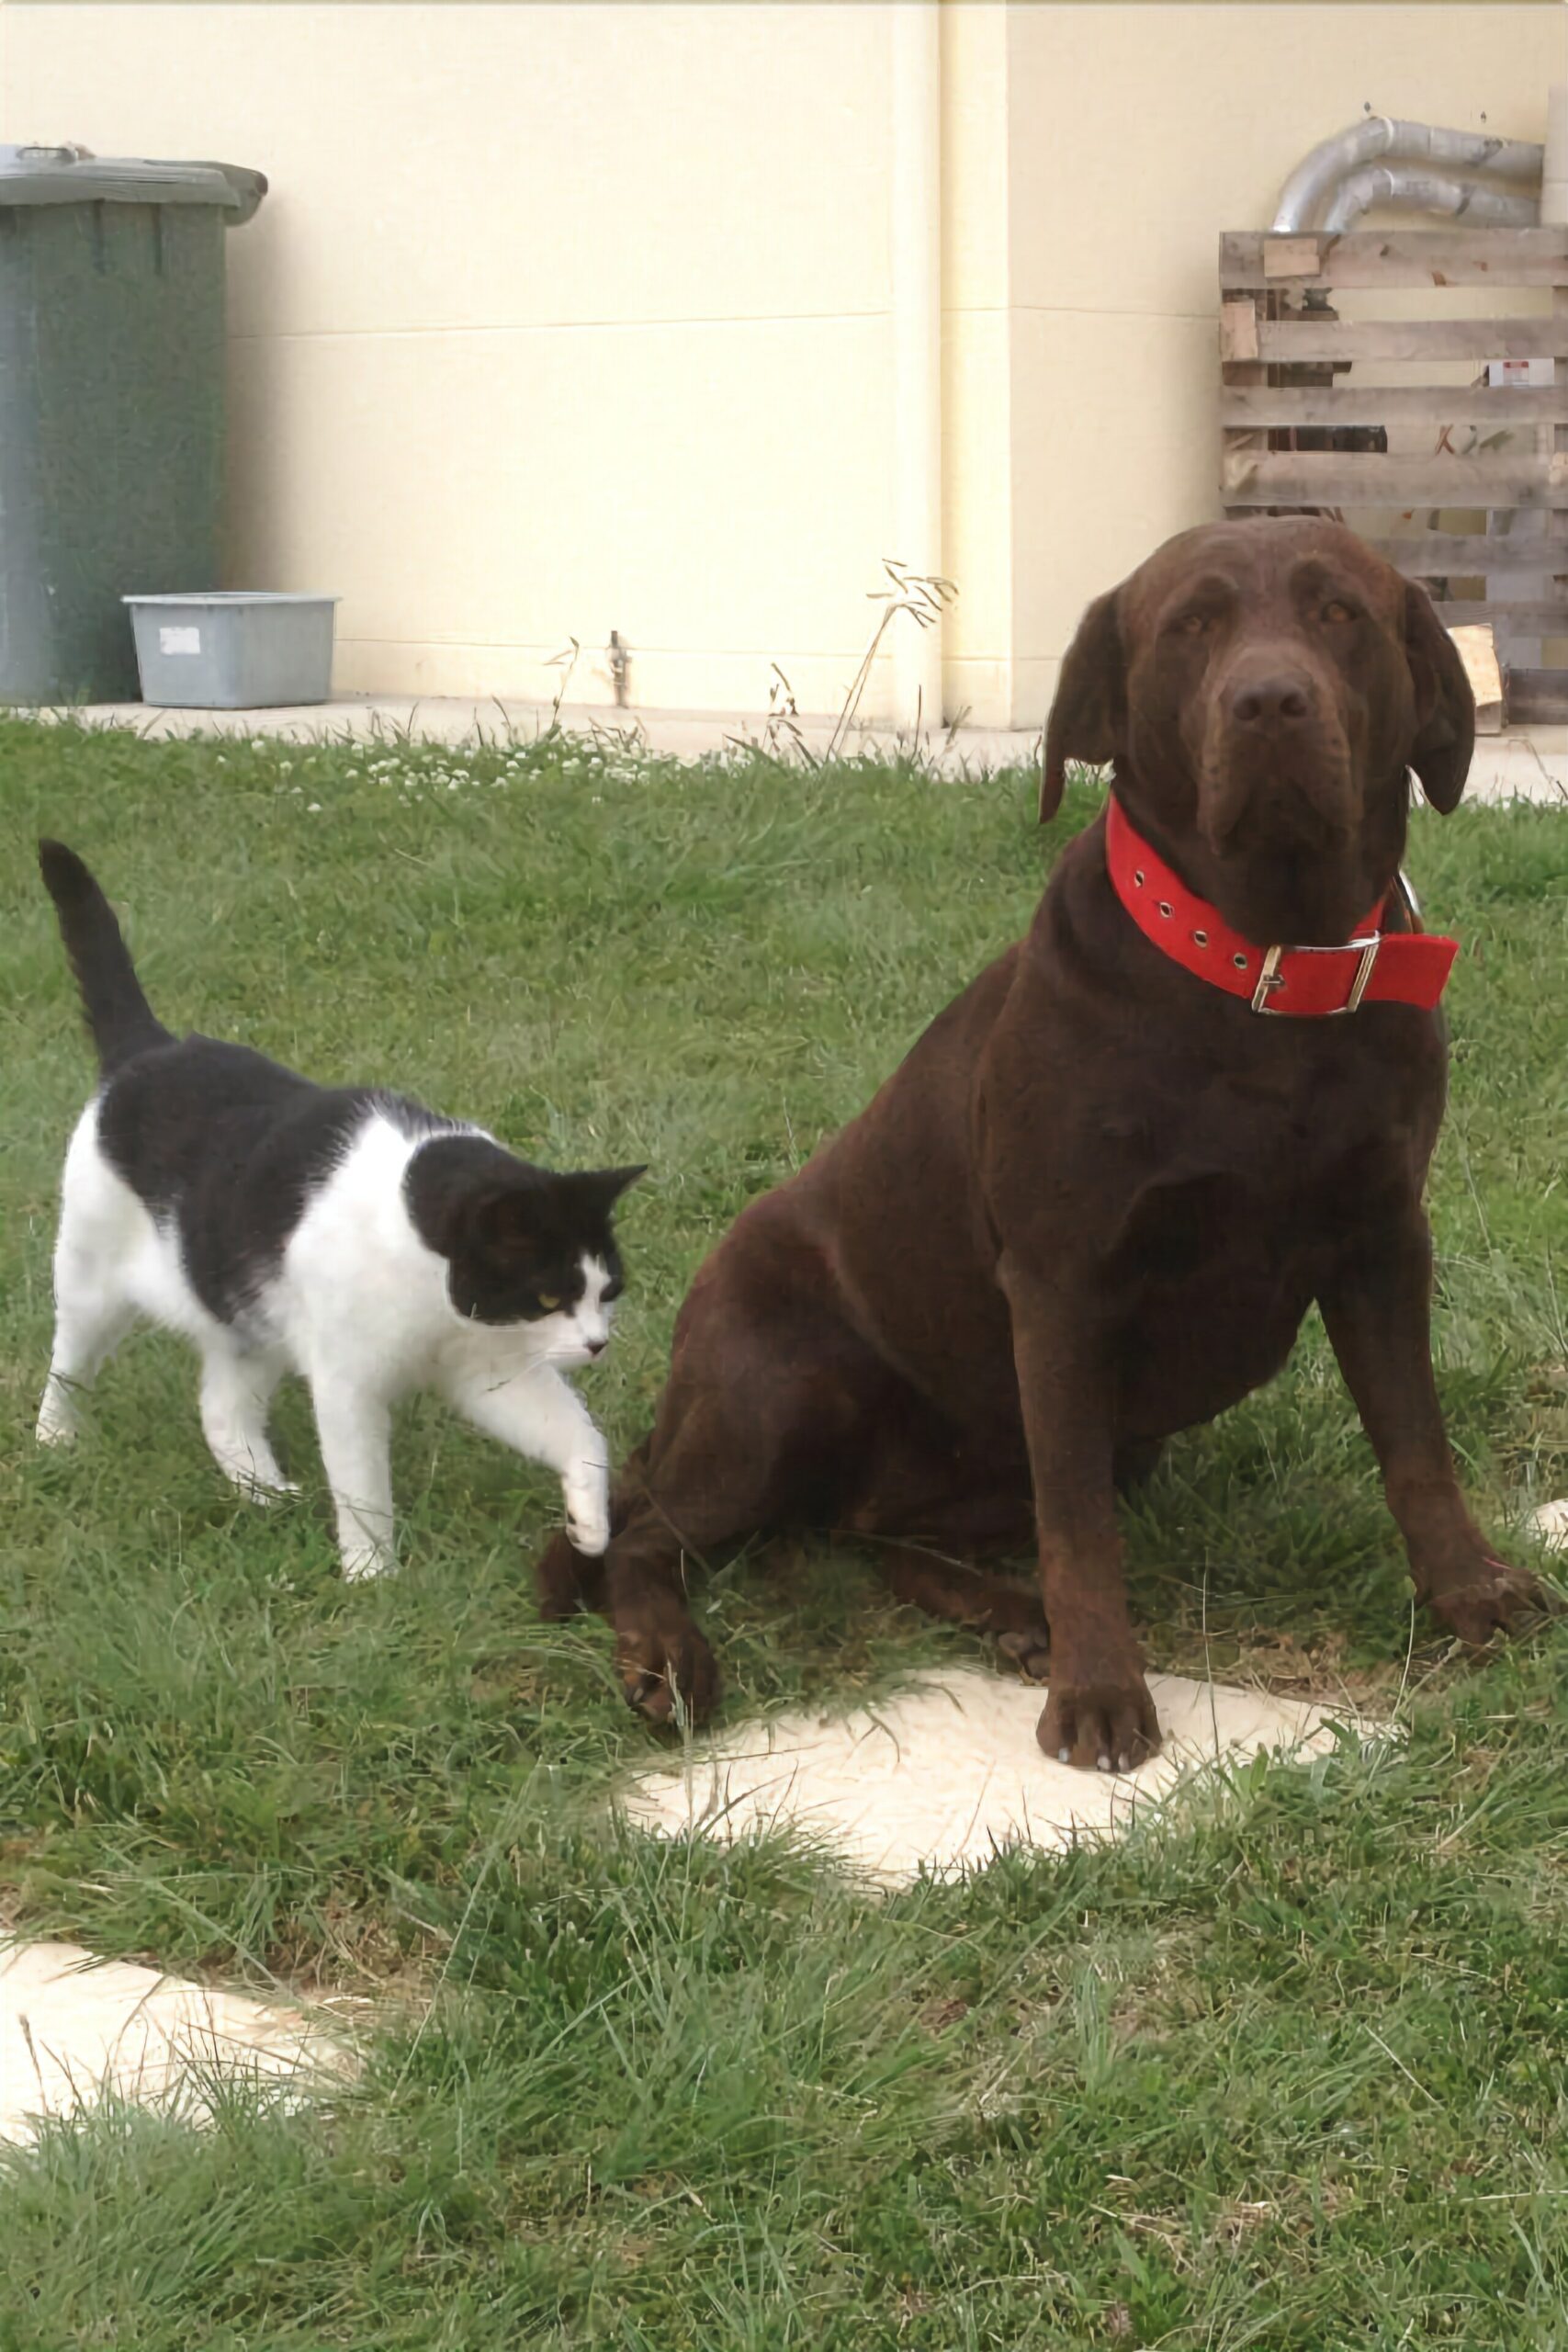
x=562, y=318
x=558, y=320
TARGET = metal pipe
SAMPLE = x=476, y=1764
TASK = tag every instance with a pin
x=917, y=346
x=1417, y=143
x=1425, y=191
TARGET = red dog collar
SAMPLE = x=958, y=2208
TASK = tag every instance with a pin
x=1375, y=968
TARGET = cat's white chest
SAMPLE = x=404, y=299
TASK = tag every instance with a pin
x=357, y=1284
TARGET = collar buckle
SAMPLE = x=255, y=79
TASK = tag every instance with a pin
x=1271, y=978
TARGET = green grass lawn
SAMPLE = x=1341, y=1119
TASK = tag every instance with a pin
x=1290, y=2072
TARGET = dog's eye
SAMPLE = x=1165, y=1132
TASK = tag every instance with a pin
x=1336, y=611
x=549, y=1300
x=1195, y=624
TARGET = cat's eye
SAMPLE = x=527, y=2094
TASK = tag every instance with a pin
x=549, y=1300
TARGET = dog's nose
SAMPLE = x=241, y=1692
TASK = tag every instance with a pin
x=596, y=1347
x=1271, y=705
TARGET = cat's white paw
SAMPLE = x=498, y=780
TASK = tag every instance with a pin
x=585, y=1491
x=265, y=1492
x=364, y=1561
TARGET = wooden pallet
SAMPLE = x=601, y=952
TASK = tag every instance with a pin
x=1303, y=429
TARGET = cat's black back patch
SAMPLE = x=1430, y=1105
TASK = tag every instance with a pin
x=229, y=1147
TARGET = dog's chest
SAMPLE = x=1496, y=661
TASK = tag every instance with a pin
x=1199, y=1332
x=1239, y=1211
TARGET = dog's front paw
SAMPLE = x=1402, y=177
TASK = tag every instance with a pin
x=1105, y=1724
x=585, y=1491
x=564, y=1581
x=663, y=1661
x=1491, y=1596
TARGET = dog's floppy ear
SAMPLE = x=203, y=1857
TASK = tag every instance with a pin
x=1089, y=712
x=1445, y=706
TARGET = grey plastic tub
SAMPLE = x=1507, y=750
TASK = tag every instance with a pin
x=233, y=651
x=111, y=402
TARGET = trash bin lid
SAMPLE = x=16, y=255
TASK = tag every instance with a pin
x=74, y=175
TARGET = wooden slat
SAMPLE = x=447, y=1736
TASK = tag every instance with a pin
x=1238, y=332
x=1374, y=257
x=1239, y=323
x=1477, y=649
x=1464, y=554
x=1536, y=697
x=1436, y=404
x=1552, y=439
x=1290, y=341
x=1291, y=257
x=1510, y=600
x=1525, y=620
x=1336, y=478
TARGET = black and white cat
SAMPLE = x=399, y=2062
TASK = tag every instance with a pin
x=341, y=1233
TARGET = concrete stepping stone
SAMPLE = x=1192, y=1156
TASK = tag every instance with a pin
x=946, y=1772
x=71, y=2027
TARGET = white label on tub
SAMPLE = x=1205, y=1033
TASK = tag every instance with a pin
x=1524, y=372
x=179, y=641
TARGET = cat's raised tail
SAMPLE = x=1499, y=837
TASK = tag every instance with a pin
x=121, y=1021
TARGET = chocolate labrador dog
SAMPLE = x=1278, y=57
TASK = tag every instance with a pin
x=1094, y=1204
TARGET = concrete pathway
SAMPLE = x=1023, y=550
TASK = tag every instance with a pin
x=1525, y=763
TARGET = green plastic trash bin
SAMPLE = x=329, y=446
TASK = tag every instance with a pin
x=111, y=404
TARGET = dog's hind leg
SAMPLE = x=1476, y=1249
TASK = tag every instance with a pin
x=989, y=1513
x=935, y=1506
x=1134, y=1463
x=963, y=1595
x=757, y=1429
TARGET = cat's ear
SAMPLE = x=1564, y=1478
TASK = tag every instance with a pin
x=605, y=1185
